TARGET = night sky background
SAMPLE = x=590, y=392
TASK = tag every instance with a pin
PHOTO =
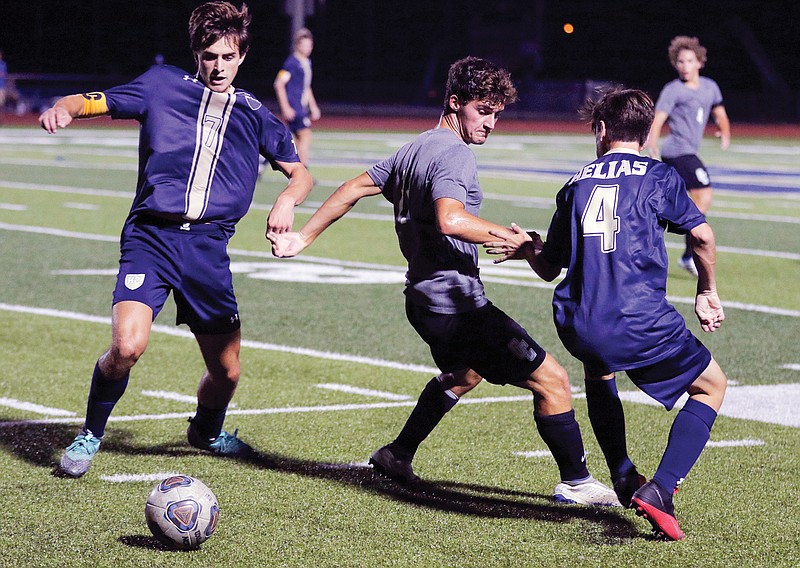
x=385, y=52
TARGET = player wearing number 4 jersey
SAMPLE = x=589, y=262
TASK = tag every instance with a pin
x=611, y=310
x=199, y=148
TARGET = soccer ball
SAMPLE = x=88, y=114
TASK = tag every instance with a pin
x=181, y=512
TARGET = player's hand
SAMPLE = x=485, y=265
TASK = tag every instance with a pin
x=314, y=113
x=289, y=114
x=285, y=245
x=516, y=246
x=54, y=118
x=281, y=217
x=709, y=311
x=724, y=141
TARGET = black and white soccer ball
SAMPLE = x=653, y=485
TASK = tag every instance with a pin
x=182, y=512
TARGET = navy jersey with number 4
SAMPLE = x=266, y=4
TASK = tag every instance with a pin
x=198, y=150
x=611, y=310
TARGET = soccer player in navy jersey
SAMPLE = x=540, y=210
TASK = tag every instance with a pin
x=685, y=105
x=199, y=148
x=296, y=97
x=433, y=184
x=611, y=310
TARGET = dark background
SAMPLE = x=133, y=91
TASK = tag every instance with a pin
x=379, y=52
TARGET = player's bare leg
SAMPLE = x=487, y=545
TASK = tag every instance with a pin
x=214, y=393
x=130, y=333
x=303, y=143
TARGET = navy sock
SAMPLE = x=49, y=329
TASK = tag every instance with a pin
x=208, y=421
x=608, y=423
x=687, y=253
x=103, y=396
x=433, y=404
x=687, y=438
x=562, y=435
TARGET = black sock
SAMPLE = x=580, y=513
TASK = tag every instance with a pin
x=431, y=407
x=608, y=423
x=103, y=396
x=562, y=435
x=208, y=421
x=687, y=253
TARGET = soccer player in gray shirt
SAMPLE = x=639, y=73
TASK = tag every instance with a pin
x=433, y=184
x=685, y=105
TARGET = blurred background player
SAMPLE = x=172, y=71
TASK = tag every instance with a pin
x=193, y=188
x=295, y=96
x=433, y=185
x=611, y=310
x=3, y=83
x=685, y=105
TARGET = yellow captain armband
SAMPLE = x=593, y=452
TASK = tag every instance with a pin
x=94, y=104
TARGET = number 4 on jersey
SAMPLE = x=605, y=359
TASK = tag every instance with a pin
x=600, y=216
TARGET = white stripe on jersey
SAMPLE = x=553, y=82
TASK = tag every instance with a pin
x=212, y=120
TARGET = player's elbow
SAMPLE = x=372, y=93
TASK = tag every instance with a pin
x=702, y=237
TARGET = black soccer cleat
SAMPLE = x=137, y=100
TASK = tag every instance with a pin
x=626, y=485
x=386, y=462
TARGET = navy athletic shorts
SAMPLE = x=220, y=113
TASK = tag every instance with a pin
x=301, y=121
x=485, y=340
x=668, y=379
x=191, y=261
x=691, y=169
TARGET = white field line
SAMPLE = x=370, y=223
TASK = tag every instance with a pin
x=31, y=407
x=520, y=200
x=135, y=477
x=177, y=332
x=747, y=442
x=791, y=367
x=168, y=395
x=488, y=268
x=268, y=411
x=361, y=391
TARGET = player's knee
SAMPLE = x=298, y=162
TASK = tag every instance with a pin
x=126, y=352
x=552, y=381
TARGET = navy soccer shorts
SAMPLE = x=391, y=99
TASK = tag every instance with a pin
x=691, y=169
x=161, y=257
x=301, y=121
x=670, y=378
x=485, y=340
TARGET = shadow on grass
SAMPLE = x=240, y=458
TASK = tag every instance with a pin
x=39, y=443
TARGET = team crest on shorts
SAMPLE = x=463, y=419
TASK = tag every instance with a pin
x=134, y=281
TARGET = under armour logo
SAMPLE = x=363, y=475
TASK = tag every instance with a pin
x=521, y=349
x=190, y=78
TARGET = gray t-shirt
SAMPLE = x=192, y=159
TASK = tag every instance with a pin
x=688, y=111
x=442, y=271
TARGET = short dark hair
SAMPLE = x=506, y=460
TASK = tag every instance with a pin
x=627, y=114
x=213, y=21
x=476, y=79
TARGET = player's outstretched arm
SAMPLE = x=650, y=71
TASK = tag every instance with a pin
x=281, y=216
x=522, y=245
x=60, y=115
x=707, y=304
x=333, y=209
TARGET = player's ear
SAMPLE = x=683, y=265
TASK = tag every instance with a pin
x=601, y=130
x=454, y=103
x=241, y=59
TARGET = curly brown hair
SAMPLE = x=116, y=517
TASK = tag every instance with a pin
x=476, y=79
x=679, y=43
x=213, y=21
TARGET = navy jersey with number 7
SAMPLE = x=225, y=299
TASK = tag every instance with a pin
x=198, y=149
x=611, y=310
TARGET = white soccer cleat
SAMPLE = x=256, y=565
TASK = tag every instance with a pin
x=587, y=492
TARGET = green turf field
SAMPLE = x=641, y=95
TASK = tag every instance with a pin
x=331, y=369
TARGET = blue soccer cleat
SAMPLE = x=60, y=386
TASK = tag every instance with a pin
x=77, y=458
x=227, y=445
